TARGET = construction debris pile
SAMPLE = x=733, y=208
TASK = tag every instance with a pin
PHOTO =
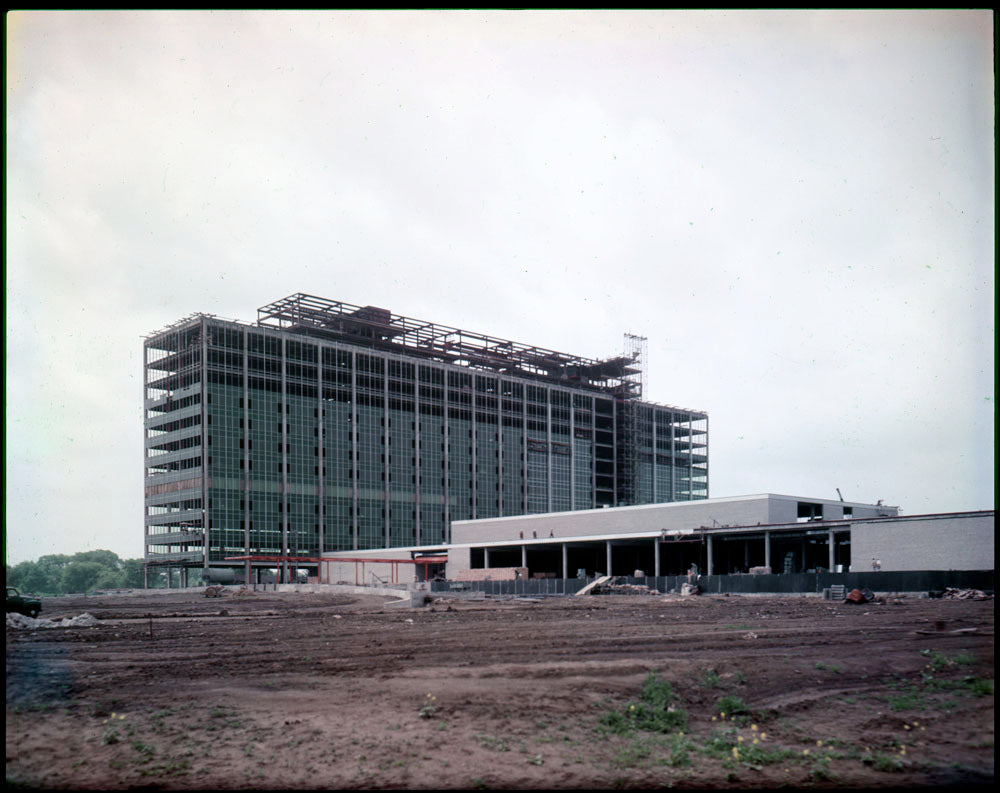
x=22, y=622
x=953, y=593
x=218, y=591
x=859, y=596
x=612, y=587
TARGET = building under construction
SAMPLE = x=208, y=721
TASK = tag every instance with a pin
x=326, y=427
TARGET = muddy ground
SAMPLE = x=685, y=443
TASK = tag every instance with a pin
x=309, y=690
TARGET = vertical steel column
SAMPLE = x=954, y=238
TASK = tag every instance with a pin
x=524, y=556
x=283, y=566
x=832, y=540
x=565, y=561
x=486, y=557
x=767, y=549
x=499, y=462
x=145, y=465
x=548, y=448
x=593, y=452
x=614, y=449
x=417, y=468
x=386, y=447
x=247, y=483
x=656, y=557
x=709, y=563
x=674, y=427
x=475, y=452
x=607, y=553
x=690, y=457
x=447, y=458
x=525, y=478
x=653, y=412
x=708, y=493
x=572, y=452
x=355, y=450
x=206, y=515
x=321, y=456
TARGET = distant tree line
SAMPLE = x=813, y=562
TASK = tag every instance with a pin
x=61, y=574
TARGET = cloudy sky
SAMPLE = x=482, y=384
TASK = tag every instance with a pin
x=797, y=209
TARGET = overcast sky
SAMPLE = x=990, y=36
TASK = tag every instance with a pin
x=797, y=209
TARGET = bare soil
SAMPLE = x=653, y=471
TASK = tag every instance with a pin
x=334, y=691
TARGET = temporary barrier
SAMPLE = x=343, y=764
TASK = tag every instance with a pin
x=785, y=584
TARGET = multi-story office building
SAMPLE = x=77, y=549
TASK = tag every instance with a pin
x=327, y=426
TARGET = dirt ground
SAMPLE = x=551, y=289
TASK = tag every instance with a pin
x=325, y=690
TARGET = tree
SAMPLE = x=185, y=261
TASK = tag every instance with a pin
x=81, y=576
x=59, y=574
x=34, y=577
x=132, y=573
x=106, y=558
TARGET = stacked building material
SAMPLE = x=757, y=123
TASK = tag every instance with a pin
x=493, y=574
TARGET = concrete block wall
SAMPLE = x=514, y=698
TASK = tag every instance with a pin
x=458, y=559
x=953, y=542
x=785, y=509
x=492, y=574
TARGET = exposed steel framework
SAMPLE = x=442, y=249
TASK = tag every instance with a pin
x=379, y=327
x=600, y=446
x=628, y=447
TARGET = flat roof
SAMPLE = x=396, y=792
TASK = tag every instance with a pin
x=681, y=505
x=812, y=527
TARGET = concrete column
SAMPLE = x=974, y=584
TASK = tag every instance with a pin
x=607, y=550
x=656, y=557
x=524, y=556
x=708, y=564
x=833, y=546
x=767, y=549
x=565, y=561
x=486, y=557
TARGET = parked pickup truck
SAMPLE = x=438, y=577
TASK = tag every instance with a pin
x=21, y=604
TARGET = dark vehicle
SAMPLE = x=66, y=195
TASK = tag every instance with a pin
x=21, y=604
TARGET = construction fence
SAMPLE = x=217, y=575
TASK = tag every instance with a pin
x=784, y=584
